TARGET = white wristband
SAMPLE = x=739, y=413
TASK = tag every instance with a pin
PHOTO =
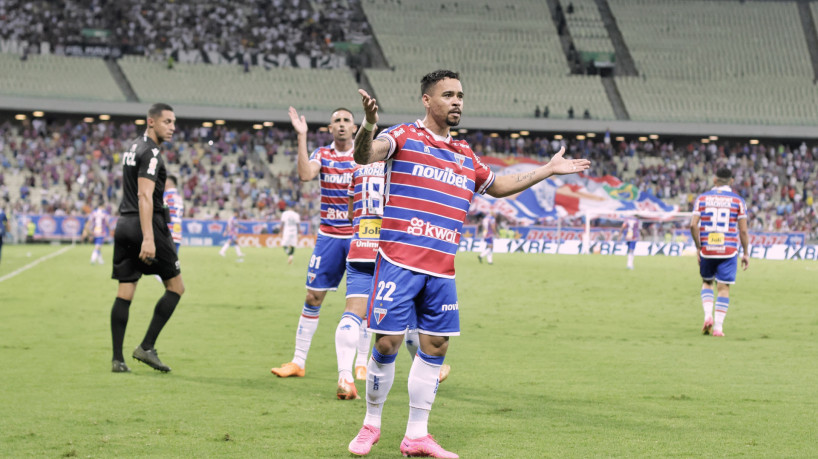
x=368, y=126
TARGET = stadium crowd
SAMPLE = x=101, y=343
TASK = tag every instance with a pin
x=68, y=167
x=225, y=26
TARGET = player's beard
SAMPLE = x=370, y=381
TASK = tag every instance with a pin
x=453, y=122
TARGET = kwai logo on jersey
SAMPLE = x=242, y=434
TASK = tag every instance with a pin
x=380, y=313
x=335, y=214
x=446, y=175
x=418, y=227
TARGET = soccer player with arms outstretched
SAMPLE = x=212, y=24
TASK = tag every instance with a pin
x=719, y=223
x=431, y=179
x=334, y=164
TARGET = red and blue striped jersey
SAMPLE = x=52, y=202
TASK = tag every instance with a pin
x=630, y=229
x=100, y=222
x=719, y=210
x=430, y=182
x=176, y=209
x=232, y=227
x=335, y=175
x=367, y=190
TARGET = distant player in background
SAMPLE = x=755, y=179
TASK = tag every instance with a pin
x=290, y=222
x=488, y=227
x=719, y=223
x=99, y=227
x=630, y=234
x=4, y=228
x=173, y=201
x=231, y=230
x=431, y=180
x=333, y=164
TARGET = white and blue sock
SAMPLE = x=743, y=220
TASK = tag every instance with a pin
x=307, y=325
x=380, y=374
x=346, y=341
x=722, y=303
x=423, y=383
x=707, y=302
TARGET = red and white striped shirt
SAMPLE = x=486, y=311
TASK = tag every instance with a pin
x=335, y=175
x=430, y=182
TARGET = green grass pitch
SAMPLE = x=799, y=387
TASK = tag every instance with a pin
x=560, y=356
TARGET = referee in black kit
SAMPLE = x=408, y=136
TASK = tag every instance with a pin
x=142, y=241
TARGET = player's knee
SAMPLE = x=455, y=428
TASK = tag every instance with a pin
x=314, y=298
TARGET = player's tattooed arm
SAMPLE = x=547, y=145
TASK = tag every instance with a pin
x=369, y=150
x=507, y=185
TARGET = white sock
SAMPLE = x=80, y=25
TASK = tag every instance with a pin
x=412, y=342
x=721, y=311
x=364, y=345
x=380, y=374
x=490, y=257
x=238, y=251
x=707, y=302
x=224, y=248
x=307, y=325
x=346, y=340
x=423, y=381
x=630, y=260
x=484, y=252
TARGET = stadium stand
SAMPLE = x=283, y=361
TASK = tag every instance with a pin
x=717, y=62
x=58, y=77
x=230, y=86
x=510, y=64
x=587, y=30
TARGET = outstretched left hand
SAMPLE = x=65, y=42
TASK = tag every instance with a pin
x=561, y=166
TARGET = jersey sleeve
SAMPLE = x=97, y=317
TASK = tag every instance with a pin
x=742, y=209
x=396, y=136
x=148, y=163
x=483, y=176
x=351, y=187
x=316, y=156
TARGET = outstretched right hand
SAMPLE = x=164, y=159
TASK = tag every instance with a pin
x=299, y=123
x=370, y=107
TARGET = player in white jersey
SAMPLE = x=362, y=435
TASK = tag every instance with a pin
x=98, y=226
x=489, y=228
x=290, y=221
x=431, y=181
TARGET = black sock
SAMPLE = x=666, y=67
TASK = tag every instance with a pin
x=161, y=314
x=119, y=320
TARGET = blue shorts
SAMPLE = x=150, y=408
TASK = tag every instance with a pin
x=99, y=240
x=327, y=263
x=359, y=279
x=631, y=246
x=489, y=240
x=723, y=270
x=402, y=298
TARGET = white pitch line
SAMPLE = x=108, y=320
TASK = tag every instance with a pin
x=35, y=263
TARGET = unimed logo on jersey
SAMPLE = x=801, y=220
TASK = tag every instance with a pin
x=418, y=227
x=446, y=176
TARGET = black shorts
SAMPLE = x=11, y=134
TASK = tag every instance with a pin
x=128, y=243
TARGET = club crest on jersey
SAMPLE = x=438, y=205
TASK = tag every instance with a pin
x=380, y=313
x=155, y=151
x=311, y=277
x=460, y=159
